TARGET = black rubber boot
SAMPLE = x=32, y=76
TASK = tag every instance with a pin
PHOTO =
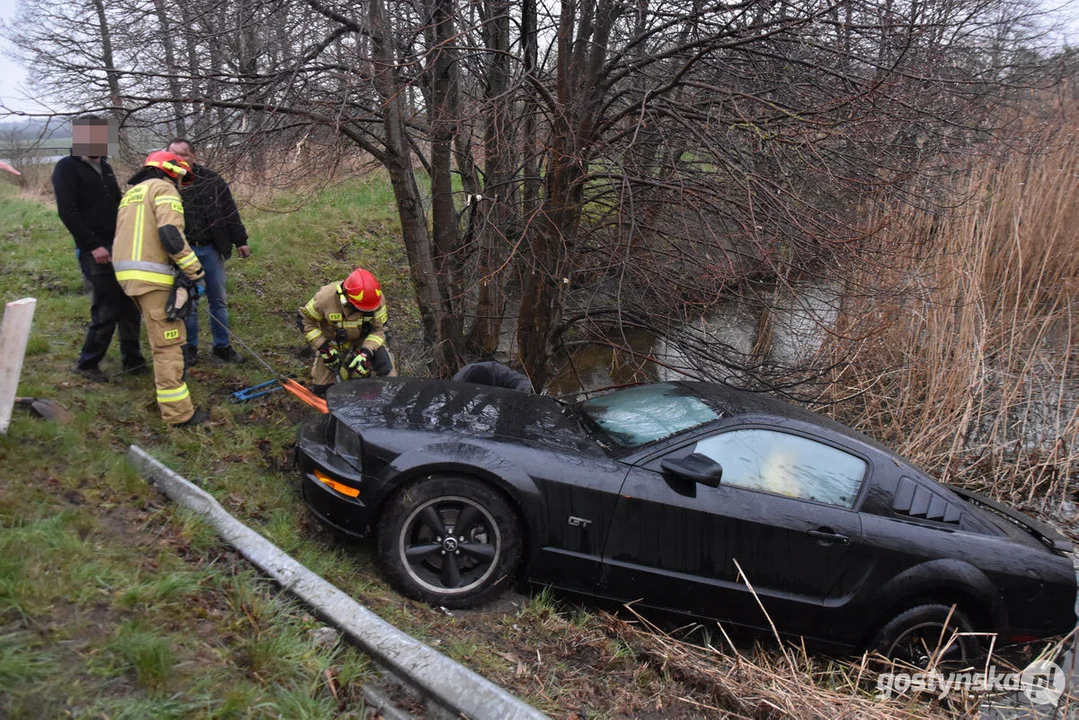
x=191, y=356
x=227, y=354
x=198, y=418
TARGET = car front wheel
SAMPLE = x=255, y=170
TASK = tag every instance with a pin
x=450, y=540
x=932, y=634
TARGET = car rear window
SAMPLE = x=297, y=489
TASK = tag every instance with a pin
x=640, y=415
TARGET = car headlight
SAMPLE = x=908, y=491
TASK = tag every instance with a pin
x=348, y=444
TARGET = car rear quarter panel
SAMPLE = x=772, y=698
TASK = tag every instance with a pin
x=1007, y=586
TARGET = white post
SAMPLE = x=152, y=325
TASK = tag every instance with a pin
x=14, y=332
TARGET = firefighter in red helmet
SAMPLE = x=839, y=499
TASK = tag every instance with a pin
x=345, y=323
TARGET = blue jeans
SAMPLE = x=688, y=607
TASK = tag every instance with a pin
x=214, y=266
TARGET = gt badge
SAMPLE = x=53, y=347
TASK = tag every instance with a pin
x=578, y=522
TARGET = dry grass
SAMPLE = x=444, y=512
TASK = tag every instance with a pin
x=35, y=183
x=969, y=368
x=764, y=683
x=789, y=682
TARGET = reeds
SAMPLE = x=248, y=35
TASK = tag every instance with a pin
x=971, y=341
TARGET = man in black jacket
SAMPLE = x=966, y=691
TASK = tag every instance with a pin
x=87, y=199
x=213, y=228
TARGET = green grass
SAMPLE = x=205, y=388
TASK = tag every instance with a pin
x=20, y=661
x=113, y=603
x=144, y=651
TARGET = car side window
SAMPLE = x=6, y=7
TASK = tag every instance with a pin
x=783, y=464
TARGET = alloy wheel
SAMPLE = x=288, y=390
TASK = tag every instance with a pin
x=449, y=545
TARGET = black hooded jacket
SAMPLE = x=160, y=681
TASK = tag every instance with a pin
x=87, y=201
x=210, y=213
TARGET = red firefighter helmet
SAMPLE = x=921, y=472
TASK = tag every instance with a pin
x=172, y=164
x=363, y=290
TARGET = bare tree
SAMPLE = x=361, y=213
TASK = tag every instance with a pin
x=594, y=165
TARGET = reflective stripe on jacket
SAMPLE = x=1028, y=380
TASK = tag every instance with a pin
x=326, y=318
x=140, y=260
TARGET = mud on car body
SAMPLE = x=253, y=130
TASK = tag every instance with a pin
x=672, y=494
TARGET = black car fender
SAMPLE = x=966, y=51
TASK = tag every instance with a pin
x=468, y=459
x=946, y=581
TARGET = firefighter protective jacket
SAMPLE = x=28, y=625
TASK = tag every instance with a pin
x=140, y=256
x=330, y=317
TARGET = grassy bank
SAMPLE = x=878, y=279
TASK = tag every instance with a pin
x=115, y=604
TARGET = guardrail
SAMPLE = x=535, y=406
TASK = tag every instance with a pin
x=450, y=685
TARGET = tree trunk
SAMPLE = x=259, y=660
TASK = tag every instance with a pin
x=441, y=328
x=531, y=164
x=443, y=115
x=542, y=286
x=112, y=77
x=495, y=207
x=194, y=71
x=166, y=38
x=254, y=117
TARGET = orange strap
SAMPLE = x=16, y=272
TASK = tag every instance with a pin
x=305, y=395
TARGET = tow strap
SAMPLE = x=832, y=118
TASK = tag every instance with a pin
x=290, y=385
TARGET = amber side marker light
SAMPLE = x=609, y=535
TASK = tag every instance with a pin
x=343, y=489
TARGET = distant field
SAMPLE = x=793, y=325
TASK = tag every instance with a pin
x=23, y=153
x=42, y=145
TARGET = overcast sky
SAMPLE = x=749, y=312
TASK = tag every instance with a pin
x=14, y=95
x=11, y=74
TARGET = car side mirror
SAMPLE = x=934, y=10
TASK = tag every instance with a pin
x=696, y=467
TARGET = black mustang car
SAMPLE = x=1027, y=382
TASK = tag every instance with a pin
x=680, y=496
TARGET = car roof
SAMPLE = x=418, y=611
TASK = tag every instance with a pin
x=730, y=402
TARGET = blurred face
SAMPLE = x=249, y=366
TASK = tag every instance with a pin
x=183, y=150
x=92, y=140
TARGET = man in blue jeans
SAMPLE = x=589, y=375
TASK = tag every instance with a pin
x=213, y=228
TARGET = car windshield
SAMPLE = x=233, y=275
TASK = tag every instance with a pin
x=640, y=415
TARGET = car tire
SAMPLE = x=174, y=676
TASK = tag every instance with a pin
x=912, y=637
x=430, y=556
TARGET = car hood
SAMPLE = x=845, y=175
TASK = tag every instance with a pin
x=457, y=408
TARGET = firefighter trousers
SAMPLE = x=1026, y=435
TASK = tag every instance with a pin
x=166, y=340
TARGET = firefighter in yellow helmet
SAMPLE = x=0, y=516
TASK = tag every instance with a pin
x=150, y=256
x=345, y=322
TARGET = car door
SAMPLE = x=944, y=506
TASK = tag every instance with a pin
x=782, y=512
